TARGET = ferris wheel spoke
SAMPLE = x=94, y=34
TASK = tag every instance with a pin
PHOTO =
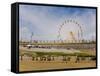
x=79, y=31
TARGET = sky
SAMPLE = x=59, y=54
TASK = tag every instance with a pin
x=45, y=22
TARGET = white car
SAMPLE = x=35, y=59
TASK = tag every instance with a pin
x=29, y=46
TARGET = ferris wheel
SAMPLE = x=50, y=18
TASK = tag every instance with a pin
x=70, y=30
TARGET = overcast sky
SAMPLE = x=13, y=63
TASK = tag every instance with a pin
x=44, y=22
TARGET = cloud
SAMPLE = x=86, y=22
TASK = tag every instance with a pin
x=45, y=22
x=24, y=33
